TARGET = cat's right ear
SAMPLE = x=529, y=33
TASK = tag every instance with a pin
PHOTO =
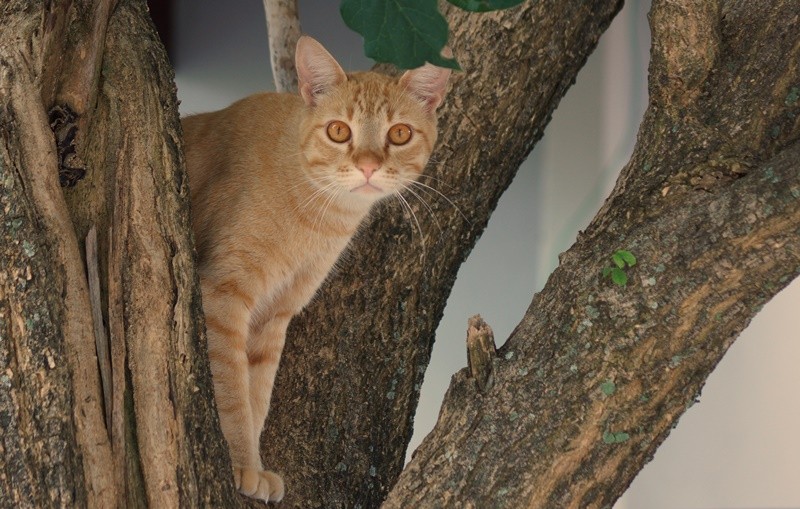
x=317, y=70
x=427, y=84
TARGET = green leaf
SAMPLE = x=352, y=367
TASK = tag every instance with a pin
x=485, y=5
x=607, y=271
x=628, y=257
x=619, y=277
x=615, y=438
x=608, y=387
x=618, y=260
x=406, y=33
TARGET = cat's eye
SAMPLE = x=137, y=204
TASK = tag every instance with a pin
x=338, y=131
x=399, y=134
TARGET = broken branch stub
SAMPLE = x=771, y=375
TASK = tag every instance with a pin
x=481, y=352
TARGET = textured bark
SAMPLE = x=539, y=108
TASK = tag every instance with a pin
x=596, y=375
x=40, y=450
x=117, y=115
x=30, y=182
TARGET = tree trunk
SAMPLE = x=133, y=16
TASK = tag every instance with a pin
x=112, y=105
x=583, y=392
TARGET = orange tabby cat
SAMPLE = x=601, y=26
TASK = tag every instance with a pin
x=279, y=184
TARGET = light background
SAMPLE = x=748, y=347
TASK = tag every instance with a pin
x=740, y=446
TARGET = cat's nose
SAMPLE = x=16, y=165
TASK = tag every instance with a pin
x=368, y=167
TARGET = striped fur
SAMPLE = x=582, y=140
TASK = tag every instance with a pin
x=275, y=201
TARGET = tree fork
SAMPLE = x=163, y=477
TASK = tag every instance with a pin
x=342, y=411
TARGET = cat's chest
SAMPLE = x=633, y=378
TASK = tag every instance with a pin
x=296, y=252
x=315, y=260
x=289, y=286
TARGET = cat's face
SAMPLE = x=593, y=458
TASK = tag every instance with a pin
x=365, y=136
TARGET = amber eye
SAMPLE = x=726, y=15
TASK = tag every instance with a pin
x=399, y=134
x=338, y=131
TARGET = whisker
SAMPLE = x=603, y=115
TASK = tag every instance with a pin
x=426, y=186
x=306, y=179
x=406, y=205
x=319, y=193
x=319, y=180
x=327, y=194
x=430, y=210
x=322, y=211
x=438, y=181
x=316, y=194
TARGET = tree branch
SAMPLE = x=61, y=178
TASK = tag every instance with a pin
x=685, y=51
x=78, y=86
x=595, y=376
x=549, y=434
x=283, y=30
x=481, y=352
x=100, y=336
x=168, y=446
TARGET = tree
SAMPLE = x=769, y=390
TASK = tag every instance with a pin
x=586, y=388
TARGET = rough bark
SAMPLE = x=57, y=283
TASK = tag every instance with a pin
x=595, y=376
x=64, y=331
x=709, y=204
x=113, y=107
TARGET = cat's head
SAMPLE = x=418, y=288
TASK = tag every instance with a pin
x=365, y=135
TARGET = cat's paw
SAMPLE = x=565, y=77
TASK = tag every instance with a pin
x=262, y=484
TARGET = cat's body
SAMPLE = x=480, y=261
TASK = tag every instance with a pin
x=279, y=185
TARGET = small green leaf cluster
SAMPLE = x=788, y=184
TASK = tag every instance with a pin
x=622, y=259
x=615, y=438
x=408, y=33
x=608, y=387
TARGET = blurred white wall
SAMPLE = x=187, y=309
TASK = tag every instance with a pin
x=739, y=447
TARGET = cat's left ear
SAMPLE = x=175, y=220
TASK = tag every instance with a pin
x=317, y=70
x=427, y=84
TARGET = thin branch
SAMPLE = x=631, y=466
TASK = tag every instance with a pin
x=100, y=336
x=283, y=30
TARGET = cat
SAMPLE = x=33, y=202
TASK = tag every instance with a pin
x=279, y=184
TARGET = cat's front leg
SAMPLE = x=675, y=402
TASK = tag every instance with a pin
x=264, y=354
x=227, y=317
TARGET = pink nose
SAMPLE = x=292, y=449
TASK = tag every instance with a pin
x=368, y=167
